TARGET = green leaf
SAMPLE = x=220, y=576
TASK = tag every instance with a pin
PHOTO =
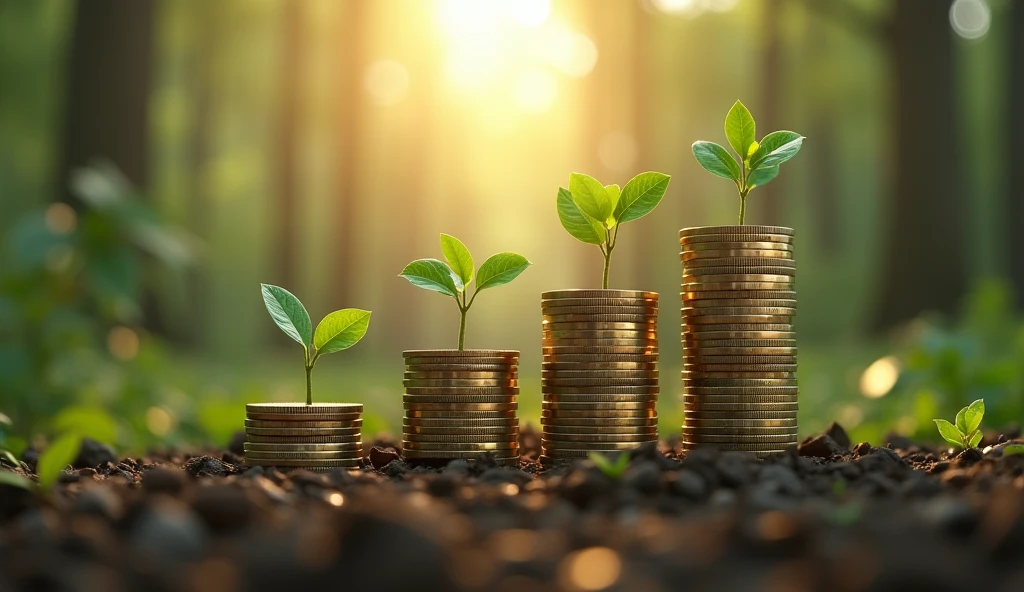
x=961, y=422
x=591, y=196
x=613, y=192
x=288, y=313
x=61, y=453
x=92, y=422
x=949, y=432
x=775, y=149
x=581, y=226
x=341, y=330
x=762, y=176
x=1012, y=449
x=716, y=160
x=973, y=415
x=613, y=469
x=740, y=129
x=458, y=258
x=975, y=439
x=500, y=269
x=640, y=196
x=431, y=274
x=14, y=480
x=9, y=457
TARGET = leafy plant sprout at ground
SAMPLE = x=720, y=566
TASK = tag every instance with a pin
x=966, y=433
x=453, y=278
x=337, y=331
x=759, y=161
x=592, y=212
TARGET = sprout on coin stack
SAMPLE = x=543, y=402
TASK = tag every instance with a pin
x=600, y=367
x=738, y=307
x=461, y=403
x=316, y=436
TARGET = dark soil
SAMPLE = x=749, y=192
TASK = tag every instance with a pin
x=827, y=516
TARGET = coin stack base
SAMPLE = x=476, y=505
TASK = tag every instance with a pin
x=599, y=373
x=739, y=344
x=318, y=437
x=460, y=404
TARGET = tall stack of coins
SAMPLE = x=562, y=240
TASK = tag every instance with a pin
x=460, y=404
x=599, y=376
x=321, y=436
x=739, y=345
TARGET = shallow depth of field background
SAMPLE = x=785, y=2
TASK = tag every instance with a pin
x=321, y=145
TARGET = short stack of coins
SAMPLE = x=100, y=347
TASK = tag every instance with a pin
x=599, y=375
x=317, y=437
x=461, y=404
x=739, y=344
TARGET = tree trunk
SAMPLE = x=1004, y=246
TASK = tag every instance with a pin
x=769, y=199
x=109, y=65
x=287, y=199
x=1015, y=150
x=924, y=268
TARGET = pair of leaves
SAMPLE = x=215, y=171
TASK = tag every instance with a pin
x=337, y=331
x=762, y=159
x=966, y=433
x=453, y=277
x=588, y=209
x=613, y=469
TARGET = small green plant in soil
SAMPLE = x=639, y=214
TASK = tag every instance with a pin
x=453, y=278
x=592, y=212
x=966, y=433
x=758, y=161
x=1013, y=449
x=337, y=331
x=613, y=469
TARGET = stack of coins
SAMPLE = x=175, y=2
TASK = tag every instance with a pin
x=321, y=436
x=599, y=376
x=461, y=404
x=739, y=345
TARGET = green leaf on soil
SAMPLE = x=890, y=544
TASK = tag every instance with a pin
x=289, y=313
x=15, y=480
x=641, y=195
x=973, y=415
x=458, y=258
x=581, y=226
x=975, y=439
x=341, y=330
x=61, y=453
x=92, y=422
x=716, y=160
x=949, y=432
x=500, y=269
x=613, y=469
x=961, y=422
x=431, y=274
x=1013, y=449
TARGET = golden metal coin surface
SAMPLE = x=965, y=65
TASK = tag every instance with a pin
x=697, y=255
x=458, y=423
x=648, y=430
x=615, y=302
x=459, y=382
x=459, y=438
x=306, y=454
x=585, y=360
x=459, y=446
x=712, y=295
x=743, y=244
x=642, y=311
x=643, y=326
x=461, y=362
x=559, y=294
x=747, y=262
x=305, y=463
x=738, y=382
x=696, y=375
x=462, y=355
x=701, y=368
x=557, y=398
x=557, y=384
x=616, y=414
x=258, y=447
x=732, y=439
x=733, y=414
x=549, y=445
x=699, y=391
x=461, y=406
x=548, y=334
x=308, y=439
x=747, y=319
x=736, y=229
x=739, y=423
x=708, y=285
x=699, y=331
x=306, y=419
x=705, y=405
x=488, y=375
x=501, y=457
x=599, y=374
x=698, y=433
x=413, y=432
x=302, y=409
x=411, y=413
x=689, y=359
x=567, y=439
x=699, y=339
x=508, y=369
x=575, y=366
x=603, y=390
x=469, y=391
x=704, y=352
x=290, y=421
x=610, y=352
x=632, y=406
x=731, y=302
x=746, y=399
x=689, y=313
x=458, y=399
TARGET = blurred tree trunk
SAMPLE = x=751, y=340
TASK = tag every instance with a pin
x=351, y=66
x=107, y=93
x=1015, y=149
x=287, y=195
x=827, y=235
x=770, y=198
x=924, y=267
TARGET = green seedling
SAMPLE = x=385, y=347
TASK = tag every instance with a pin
x=453, y=278
x=337, y=331
x=7, y=455
x=759, y=161
x=1013, y=449
x=592, y=212
x=613, y=469
x=52, y=462
x=966, y=433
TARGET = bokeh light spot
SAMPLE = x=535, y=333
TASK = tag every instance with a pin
x=880, y=377
x=61, y=218
x=573, y=53
x=536, y=90
x=529, y=12
x=617, y=151
x=595, y=568
x=159, y=421
x=123, y=343
x=970, y=19
x=387, y=81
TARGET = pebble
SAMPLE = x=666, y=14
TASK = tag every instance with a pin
x=170, y=531
x=820, y=446
x=690, y=485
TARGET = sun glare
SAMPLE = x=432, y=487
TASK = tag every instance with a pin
x=880, y=377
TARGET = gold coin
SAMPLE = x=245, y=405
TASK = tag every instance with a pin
x=752, y=399
x=704, y=352
x=700, y=331
x=703, y=405
x=557, y=383
x=645, y=326
x=689, y=313
x=547, y=334
x=461, y=406
x=414, y=432
x=788, y=414
x=260, y=447
x=586, y=360
x=598, y=318
x=468, y=391
x=501, y=456
x=615, y=353
x=601, y=344
x=459, y=382
x=462, y=355
x=483, y=375
x=708, y=284
x=569, y=366
x=736, y=229
x=745, y=262
x=460, y=363
x=458, y=399
x=693, y=360
x=739, y=423
x=696, y=433
x=560, y=406
x=409, y=445
x=748, y=319
x=740, y=391
x=700, y=368
x=688, y=374
x=588, y=423
x=459, y=414
x=645, y=430
x=302, y=409
x=351, y=463
x=615, y=414
x=705, y=295
x=346, y=453
x=625, y=374
x=317, y=439
x=461, y=423
x=510, y=369
x=603, y=390
x=730, y=302
x=560, y=312
x=600, y=302
x=277, y=420
x=556, y=294
x=552, y=445
x=459, y=438
x=736, y=254
x=711, y=342
x=732, y=439
x=740, y=382
x=556, y=398
x=743, y=244
x=567, y=439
